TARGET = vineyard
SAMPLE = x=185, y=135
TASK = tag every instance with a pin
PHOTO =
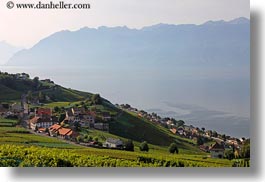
x=21, y=156
x=20, y=148
x=7, y=122
x=20, y=136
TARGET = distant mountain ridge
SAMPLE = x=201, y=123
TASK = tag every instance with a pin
x=212, y=44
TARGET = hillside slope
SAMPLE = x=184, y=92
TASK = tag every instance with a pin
x=125, y=124
x=13, y=86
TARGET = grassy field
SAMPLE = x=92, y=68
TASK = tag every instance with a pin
x=21, y=136
x=7, y=122
x=25, y=156
x=130, y=125
x=58, y=104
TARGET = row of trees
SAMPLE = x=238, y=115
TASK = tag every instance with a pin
x=236, y=154
x=129, y=146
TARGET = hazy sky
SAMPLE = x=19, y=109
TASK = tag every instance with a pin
x=23, y=27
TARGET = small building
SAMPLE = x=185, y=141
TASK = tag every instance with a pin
x=106, y=116
x=204, y=148
x=77, y=111
x=42, y=130
x=16, y=107
x=57, y=130
x=69, y=115
x=54, y=129
x=173, y=130
x=217, y=150
x=181, y=131
x=65, y=133
x=38, y=122
x=43, y=112
x=101, y=126
x=86, y=120
x=113, y=143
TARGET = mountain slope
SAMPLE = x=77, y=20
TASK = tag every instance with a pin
x=6, y=51
x=212, y=44
x=12, y=87
x=125, y=124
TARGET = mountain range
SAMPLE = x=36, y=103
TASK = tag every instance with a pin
x=212, y=44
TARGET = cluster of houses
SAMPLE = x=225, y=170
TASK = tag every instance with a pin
x=87, y=118
x=153, y=117
x=11, y=110
x=43, y=118
x=186, y=131
x=194, y=133
x=57, y=130
x=22, y=76
x=44, y=121
x=78, y=115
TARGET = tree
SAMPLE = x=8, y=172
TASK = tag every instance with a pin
x=95, y=139
x=86, y=136
x=129, y=146
x=56, y=109
x=229, y=154
x=200, y=140
x=210, y=132
x=61, y=117
x=224, y=137
x=89, y=138
x=215, y=134
x=41, y=97
x=180, y=123
x=173, y=148
x=62, y=109
x=245, y=152
x=79, y=138
x=36, y=82
x=77, y=126
x=96, y=99
x=144, y=146
x=26, y=75
x=29, y=96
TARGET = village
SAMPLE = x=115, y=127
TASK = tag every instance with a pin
x=44, y=121
x=219, y=143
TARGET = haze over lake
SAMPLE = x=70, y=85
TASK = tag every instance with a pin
x=188, y=94
x=198, y=73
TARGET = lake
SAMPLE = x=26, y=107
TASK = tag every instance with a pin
x=210, y=98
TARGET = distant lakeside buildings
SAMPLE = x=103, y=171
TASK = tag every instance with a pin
x=43, y=120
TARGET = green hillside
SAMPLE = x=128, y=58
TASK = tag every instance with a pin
x=12, y=86
x=7, y=93
x=125, y=124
